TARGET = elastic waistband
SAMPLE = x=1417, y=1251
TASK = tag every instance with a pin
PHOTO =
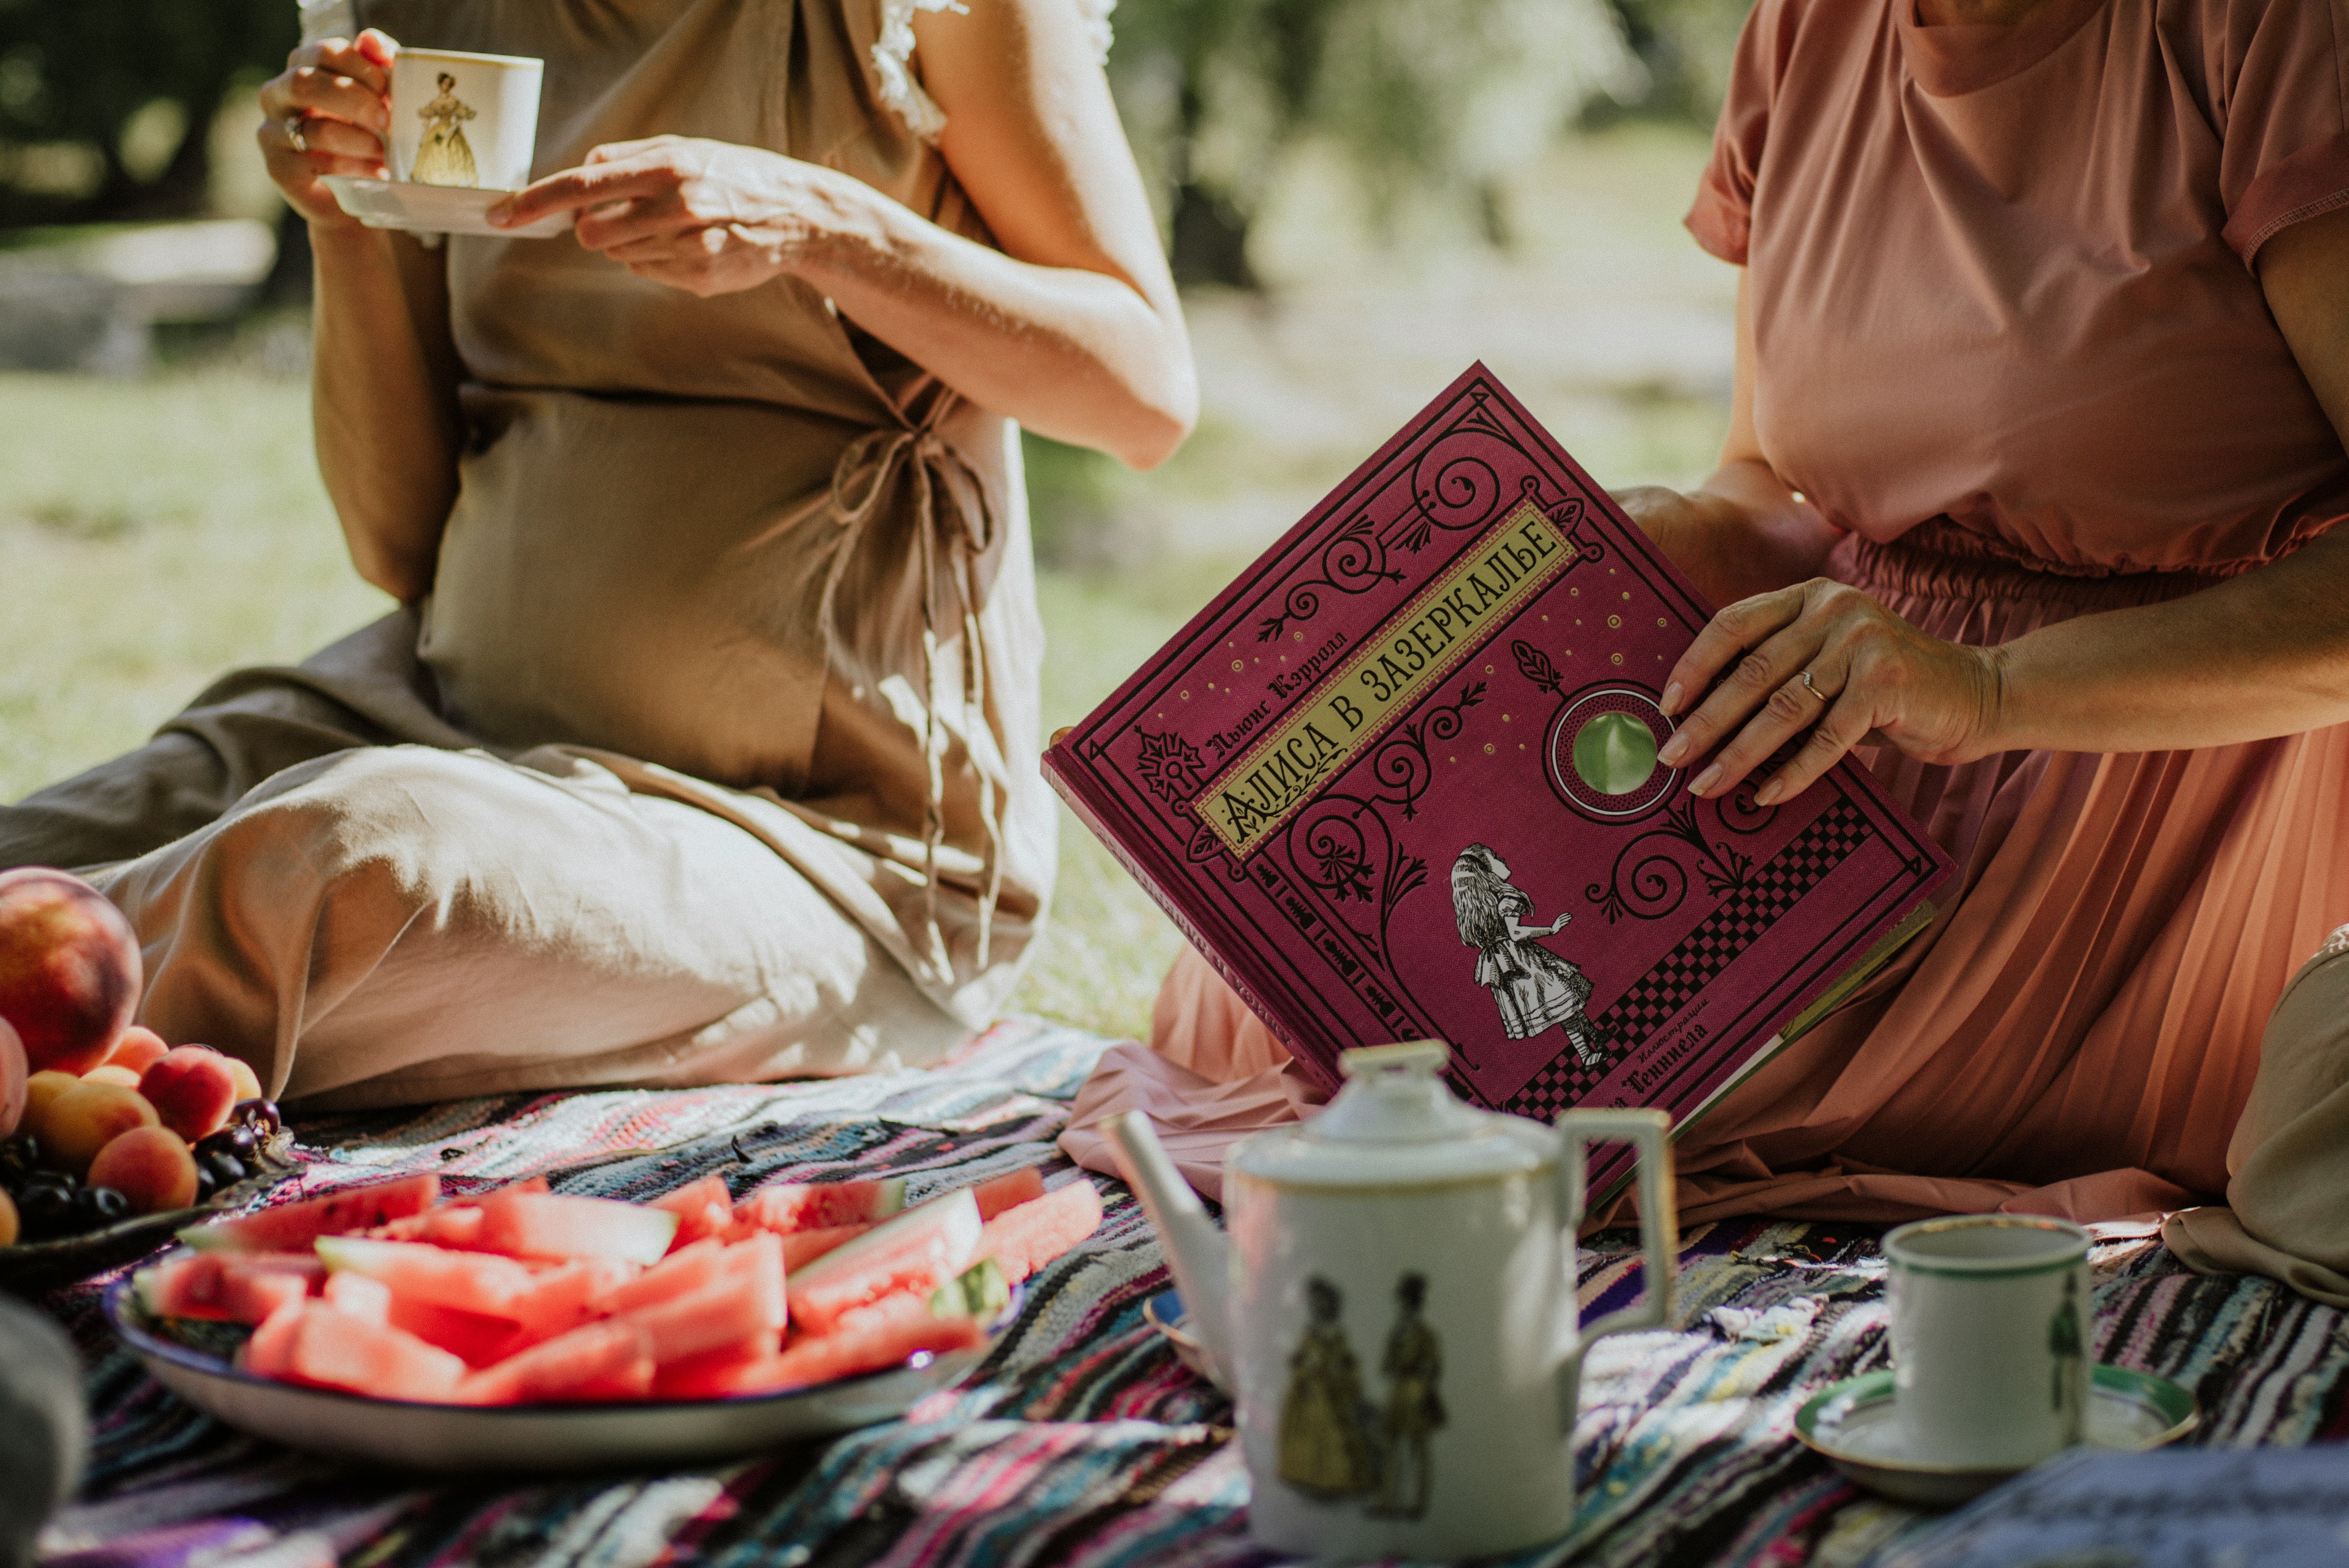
x=1936, y=561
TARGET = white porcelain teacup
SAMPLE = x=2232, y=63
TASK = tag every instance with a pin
x=1992, y=1321
x=463, y=120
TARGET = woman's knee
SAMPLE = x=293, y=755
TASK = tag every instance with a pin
x=393, y=817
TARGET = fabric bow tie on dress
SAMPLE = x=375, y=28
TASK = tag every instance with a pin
x=949, y=510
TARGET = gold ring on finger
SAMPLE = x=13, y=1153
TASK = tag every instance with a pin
x=294, y=136
x=1812, y=688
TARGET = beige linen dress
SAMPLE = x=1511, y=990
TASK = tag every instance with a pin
x=711, y=754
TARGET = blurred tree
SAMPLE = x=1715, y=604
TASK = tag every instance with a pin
x=1685, y=46
x=1443, y=94
x=135, y=83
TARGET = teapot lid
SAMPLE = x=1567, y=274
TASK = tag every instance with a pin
x=1396, y=1123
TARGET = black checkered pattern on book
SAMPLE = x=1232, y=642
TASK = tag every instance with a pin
x=1656, y=997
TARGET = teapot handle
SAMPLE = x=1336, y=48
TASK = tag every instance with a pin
x=1647, y=1133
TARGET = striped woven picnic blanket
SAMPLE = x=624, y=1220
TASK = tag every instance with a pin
x=1083, y=1441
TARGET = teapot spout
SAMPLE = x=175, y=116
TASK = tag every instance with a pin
x=1197, y=1252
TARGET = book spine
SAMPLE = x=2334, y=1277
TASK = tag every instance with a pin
x=1069, y=780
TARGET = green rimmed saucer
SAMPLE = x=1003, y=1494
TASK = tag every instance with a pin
x=1856, y=1428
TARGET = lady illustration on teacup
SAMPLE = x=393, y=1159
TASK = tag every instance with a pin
x=1325, y=1446
x=1335, y=1444
x=446, y=159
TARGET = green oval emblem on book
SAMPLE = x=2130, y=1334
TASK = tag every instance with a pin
x=1614, y=753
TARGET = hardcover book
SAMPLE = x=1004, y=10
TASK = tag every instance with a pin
x=1400, y=782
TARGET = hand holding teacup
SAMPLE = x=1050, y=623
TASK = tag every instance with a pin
x=327, y=114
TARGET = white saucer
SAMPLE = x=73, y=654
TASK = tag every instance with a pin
x=1857, y=1428
x=433, y=209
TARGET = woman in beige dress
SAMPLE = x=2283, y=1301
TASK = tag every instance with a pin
x=703, y=745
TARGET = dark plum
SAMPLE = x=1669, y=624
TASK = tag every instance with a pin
x=46, y=1209
x=243, y=1142
x=96, y=1206
x=20, y=1160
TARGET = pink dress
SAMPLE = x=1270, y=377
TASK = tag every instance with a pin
x=2010, y=337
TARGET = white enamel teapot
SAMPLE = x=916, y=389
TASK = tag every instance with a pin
x=1394, y=1311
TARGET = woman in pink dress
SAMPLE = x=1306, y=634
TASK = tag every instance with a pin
x=2028, y=502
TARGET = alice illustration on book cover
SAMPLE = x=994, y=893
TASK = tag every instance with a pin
x=446, y=158
x=1534, y=988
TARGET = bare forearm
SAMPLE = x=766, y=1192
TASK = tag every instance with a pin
x=1742, y=533
x=1074, y=355
x=2262, y=655
x=383, y=402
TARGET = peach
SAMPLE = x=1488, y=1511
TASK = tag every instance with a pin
x=248, y=1082
x=112, y=1072
x=150, y=1166
x=14, y=1073
x=70, y=968
x=41, y=1088
x=75, y=1125
x=192, y=1089
x=139, y=1048
x=9, y=1227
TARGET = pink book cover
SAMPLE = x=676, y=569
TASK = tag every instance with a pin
x=1419, y=731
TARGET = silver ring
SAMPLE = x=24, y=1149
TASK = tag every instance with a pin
x=1815, y=691
x=293, y=124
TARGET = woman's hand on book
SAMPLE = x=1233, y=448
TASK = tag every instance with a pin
x=1823, y=664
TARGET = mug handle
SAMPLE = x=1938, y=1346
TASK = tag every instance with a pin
x=1647, y=1133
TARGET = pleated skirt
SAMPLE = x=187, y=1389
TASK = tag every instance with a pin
x=2078, y=1031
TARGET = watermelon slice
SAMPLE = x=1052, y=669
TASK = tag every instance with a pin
x=455, y=1225
x=473, y=1338
x=793, y=1206
x=747, y=1299
x=801, y=1248
x=917, y=1252
x=680, y=1273
x=703, y=1209
x=291, y=1227
x=559, y=1226
x=1025, y=1239
x=568, y=1295
x=710, y=1375
x=998, y=1193
x=594, y=1361
x=980, y=1291
x=359, y=1296
x=270, y=1348
x=227, y=1287
x=415, y=1271
x=870, y=1339
x=338, y=1350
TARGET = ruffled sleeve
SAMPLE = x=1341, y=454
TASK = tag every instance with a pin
x=901, y=84
x=1722, y=217
x=2280, y=82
